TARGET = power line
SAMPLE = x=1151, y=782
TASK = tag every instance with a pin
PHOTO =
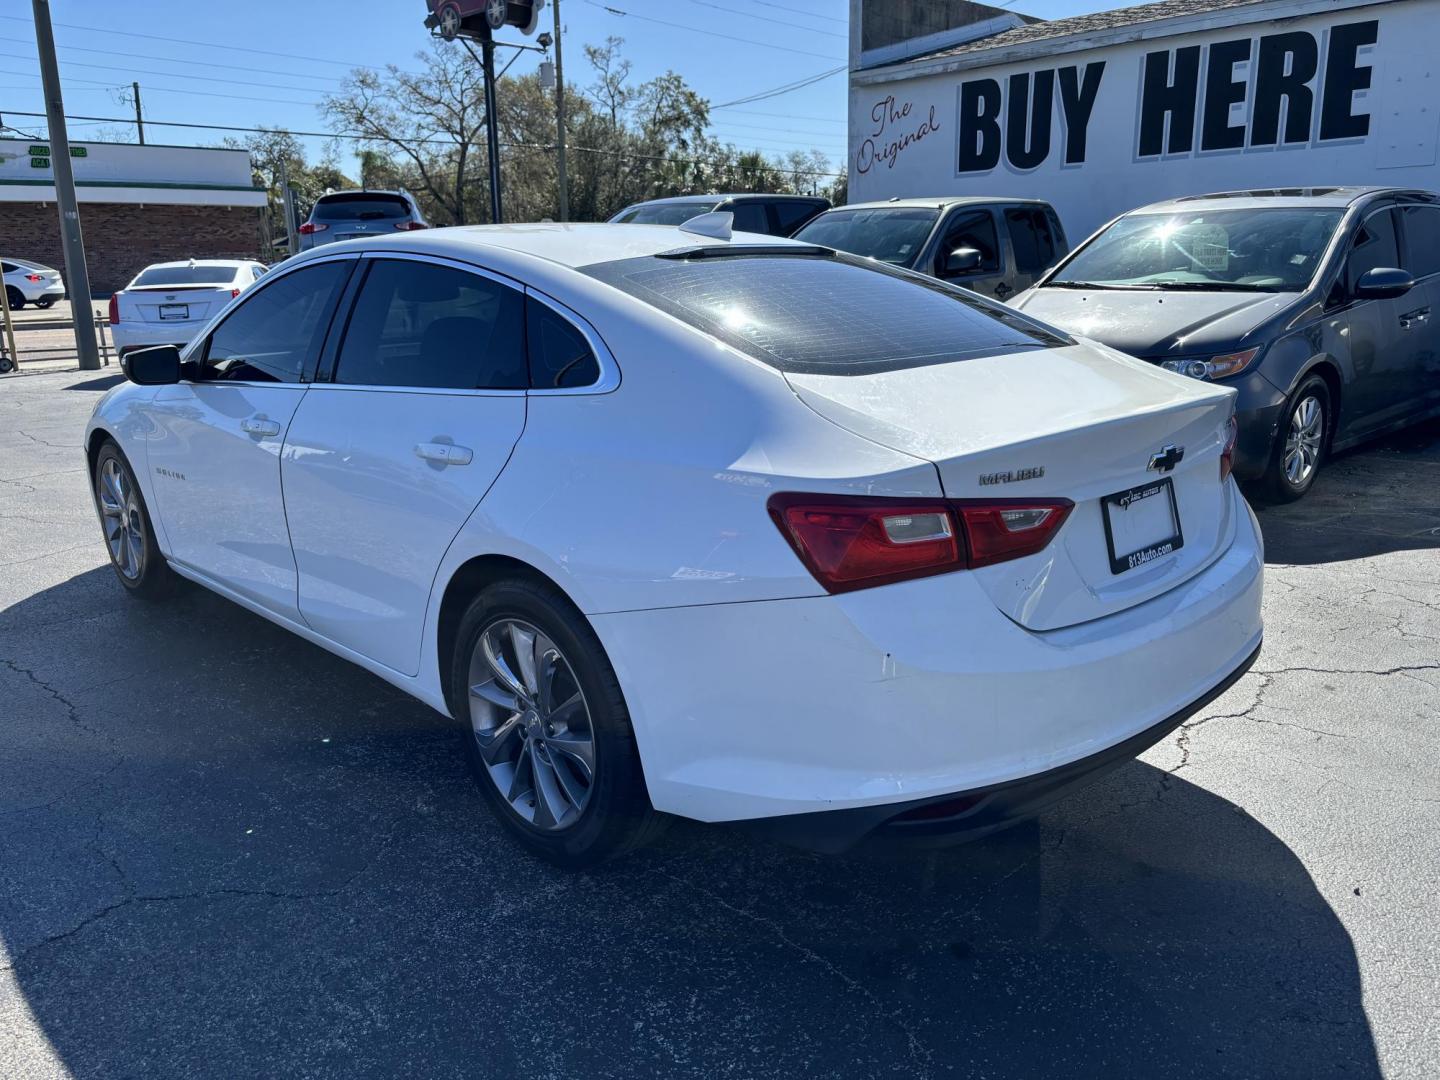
x=204, y=63
x=171, y=74
x=799, y=11
x=710, y=33
x=546, y=147
x=785, y=116
x=799, y=84
x=778, y=22
x=176, y=90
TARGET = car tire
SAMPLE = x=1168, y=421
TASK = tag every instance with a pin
x=1301, y=443
x=557, y=762
x=129, y=533
x=45, y=303
x=15, y=297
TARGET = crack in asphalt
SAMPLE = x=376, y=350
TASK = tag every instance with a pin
x=920, y=1053
x=71, y=708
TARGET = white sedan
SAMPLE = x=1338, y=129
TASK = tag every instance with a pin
x=169, y=303
x=30, y=283
x=675, y=522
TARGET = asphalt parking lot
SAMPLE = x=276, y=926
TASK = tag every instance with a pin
x=227, y=853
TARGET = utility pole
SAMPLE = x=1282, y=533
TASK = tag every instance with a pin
x=76, y=276
x=139, y=121
x=560, y=122
x=492, y=131
x=287, y=201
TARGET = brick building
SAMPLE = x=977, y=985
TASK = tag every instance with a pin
x=138, y=205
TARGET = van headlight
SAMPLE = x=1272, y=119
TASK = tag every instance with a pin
x=1217, y=367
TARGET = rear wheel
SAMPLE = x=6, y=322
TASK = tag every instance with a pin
x=15, y=296
x=129, y=534
x=45, y=303
x=547, y=734
x=1300, y=444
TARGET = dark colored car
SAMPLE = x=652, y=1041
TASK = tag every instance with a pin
x=1315, y=304
x=774, y=215
x=995, y=246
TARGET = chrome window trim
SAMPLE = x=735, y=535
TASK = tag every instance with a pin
x=272, y=275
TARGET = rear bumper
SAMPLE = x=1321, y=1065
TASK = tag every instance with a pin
x=970, y=815
x=895, y=696
x=131, y=335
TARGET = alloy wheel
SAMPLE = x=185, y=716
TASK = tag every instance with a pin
x=122, y=518
x=531, y=724
x=1304, y=441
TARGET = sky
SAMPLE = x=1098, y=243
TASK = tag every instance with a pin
x=268, y=62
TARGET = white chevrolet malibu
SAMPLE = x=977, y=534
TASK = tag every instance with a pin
x=678, y=522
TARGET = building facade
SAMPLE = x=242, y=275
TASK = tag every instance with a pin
x=1102, y=113
x=138, y=205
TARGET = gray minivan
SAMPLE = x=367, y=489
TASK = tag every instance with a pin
x=1315, y=304
x=995, y=246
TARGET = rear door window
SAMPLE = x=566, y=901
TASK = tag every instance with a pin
x=425, y=325
x=1031, y=239
x=790, y=214
x=826, y=315
x=1421, y=228
x=278, y=328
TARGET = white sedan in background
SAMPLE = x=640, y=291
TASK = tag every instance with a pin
x=169, y=303
x=674, y=521
x=31, y=283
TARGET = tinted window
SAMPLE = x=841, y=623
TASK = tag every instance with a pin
x=8, y=268
x=790, y=214
x=1421, y=225
x=277, y=328
x=1374, y=245
x=971, y=229
x=1031, y=239
x=223, y=274
x=366, y=206
x=835, y=315
x=1265, y=249
x=559, y=354
x=749, y=217
x=665, y=213
x=419, y=324
x=893, y=236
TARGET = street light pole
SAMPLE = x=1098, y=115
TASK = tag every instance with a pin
x=560, y=123
x=492, y=131
x=76, y=276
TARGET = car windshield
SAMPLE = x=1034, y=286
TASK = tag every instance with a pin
x=1261, y=250
x=825, y=314
x=665, y=213
x=360, y=207
x=209, y=274
x=890, y=234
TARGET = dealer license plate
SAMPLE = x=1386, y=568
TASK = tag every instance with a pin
x=174, y=311
x=1142, y=525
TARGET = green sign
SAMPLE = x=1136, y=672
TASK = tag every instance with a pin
x=79, y=151
x=39, y=162
x=39, y=151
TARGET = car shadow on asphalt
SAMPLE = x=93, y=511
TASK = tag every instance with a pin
x=1381, y=497
x=227, y=852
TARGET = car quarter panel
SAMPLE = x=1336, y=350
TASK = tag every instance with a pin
x=938, y=692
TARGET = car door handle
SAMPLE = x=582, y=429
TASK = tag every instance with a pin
x=1412, y=318
x=258, y=425
x=444, y=453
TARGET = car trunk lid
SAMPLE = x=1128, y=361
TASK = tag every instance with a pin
x=166, y=304
x=1082, y=423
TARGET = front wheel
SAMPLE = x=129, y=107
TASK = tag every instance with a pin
x=129, y=533
x=546, y=732
x=1300, y=444
x=15, y=296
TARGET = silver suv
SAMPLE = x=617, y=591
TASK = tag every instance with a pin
x=345, y=215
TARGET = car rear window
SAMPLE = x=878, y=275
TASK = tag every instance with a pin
x=222, y=274
x=826, y=314
x=664, y=213
x=360, y=207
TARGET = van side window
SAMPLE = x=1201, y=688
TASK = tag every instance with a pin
x=1374, y=245
x=972, y=229
x=750, y=217
x=1421, y=226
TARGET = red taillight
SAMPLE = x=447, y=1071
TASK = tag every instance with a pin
x=114, y=308
x=407, y=225
x=33, y=277
x=855, y=542
x=312, y=227
x=234, y=293
x=1227, y=456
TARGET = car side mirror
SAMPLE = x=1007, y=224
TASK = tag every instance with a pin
x=965, y=260
x=1383, y=283
x=158, y=365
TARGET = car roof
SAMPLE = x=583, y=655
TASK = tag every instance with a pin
x=940, y=202
x=738, y=196
x=1338, y=197
x=200, y=262
x=569, y=244
x=365, y=191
